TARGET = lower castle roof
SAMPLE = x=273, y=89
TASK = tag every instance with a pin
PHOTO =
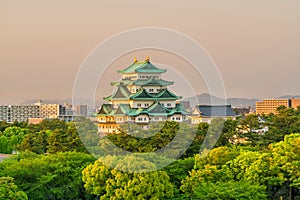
x=156, y=109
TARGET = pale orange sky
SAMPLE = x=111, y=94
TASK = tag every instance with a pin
x=255, y=43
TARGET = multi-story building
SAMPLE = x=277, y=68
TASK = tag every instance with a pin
x=141, y=97
x=18, y=113
x=295, y=103
x=268, y=106
x=32, y=113
x=82, y=110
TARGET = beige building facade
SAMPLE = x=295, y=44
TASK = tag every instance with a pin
x=295, y=103
x=268, y=106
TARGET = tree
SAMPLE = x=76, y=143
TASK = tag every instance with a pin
x=62, y=141
x=228, y=133
x=11, y=138
x=110, y=183
x=208, y=168
x=36, y=142
x=52, y=176
x=287, y=161
x=287, y=121
x=8, y=190
x=230, y=191
x=195, y=146
x=178, y=171
x=5, y=146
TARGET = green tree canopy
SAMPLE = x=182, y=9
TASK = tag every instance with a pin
x=53, y=176
x=109, y=183
x=8, y=190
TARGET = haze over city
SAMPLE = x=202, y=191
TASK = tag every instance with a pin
x=43, y=43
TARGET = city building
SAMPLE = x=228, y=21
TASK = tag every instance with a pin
x=205, y=113
x=35, y=113
x=295, y=103
x=141, y=97
x=18, y=113
x=268, y=106
x=242, y=110
x=82, y=110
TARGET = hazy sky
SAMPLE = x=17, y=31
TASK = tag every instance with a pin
x=255, y=44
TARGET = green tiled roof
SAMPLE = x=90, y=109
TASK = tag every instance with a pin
x=166, y=94
x=122, y=93
x=105, y=109
x=142, y=67
x=144, y=82
x=135, y=112
x=157, y=109
x=152, y=81
x=178, y=110
x=123, y=81
x=122, y=110
x=142, y=95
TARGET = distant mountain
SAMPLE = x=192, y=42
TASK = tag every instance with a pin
x=242, y=102
x=288, y=97
x=207, y=99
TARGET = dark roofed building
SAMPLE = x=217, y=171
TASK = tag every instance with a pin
x=205, y=113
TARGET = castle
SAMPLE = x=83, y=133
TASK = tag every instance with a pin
x=142, y=97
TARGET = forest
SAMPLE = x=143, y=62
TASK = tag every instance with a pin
x=59, y=160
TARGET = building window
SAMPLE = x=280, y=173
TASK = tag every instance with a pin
x=177, y=118
x=150, y=90
x=156, y=118
x=146, y=104
x=168, y=104
x=139, y=105
x=140, y=119
x=145, y=119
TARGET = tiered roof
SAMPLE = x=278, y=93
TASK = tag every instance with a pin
x=164, y=94
x=142, y=67
x=122, y=93
x=156, y=109
x=152, y=82
x=144, y=82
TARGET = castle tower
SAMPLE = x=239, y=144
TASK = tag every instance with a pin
x=141, y=97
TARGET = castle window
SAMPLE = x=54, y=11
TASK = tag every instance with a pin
x=168, y=104
x=139, y=105
x=146, y=104
x=150, y=90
